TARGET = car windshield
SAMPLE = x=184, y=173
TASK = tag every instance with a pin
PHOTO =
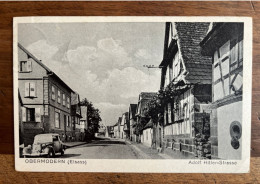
x=39, y=139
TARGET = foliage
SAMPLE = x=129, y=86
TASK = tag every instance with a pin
x=93, y=116
x=154, y=107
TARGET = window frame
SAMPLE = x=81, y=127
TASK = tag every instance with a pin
x=57, y=113
x=63, y=99
x=30, y=85
x=68, y=102
x=58, y=96
x=53, y=92
x=20, y=66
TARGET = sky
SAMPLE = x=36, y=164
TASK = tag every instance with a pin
x=103, y=62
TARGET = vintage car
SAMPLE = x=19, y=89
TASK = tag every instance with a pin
x=45, y=145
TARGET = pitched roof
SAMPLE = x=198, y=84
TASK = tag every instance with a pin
x=132, y=110
x=116, y=124
x=119, y=121
x=149, y=124
x=219, y=33
x=49, y=71
x=144, y=97
x=190, y=35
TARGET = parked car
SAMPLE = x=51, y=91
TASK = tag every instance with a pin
x=45, y=145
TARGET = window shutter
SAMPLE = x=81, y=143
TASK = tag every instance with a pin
x=27, y=89
x=23, y=114
x=37, y=114
x=32, y=89
x=29, y=65
x=169, y=112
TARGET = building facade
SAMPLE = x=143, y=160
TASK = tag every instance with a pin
x=116, y=130
x=109, y=131
x=126, y=129
x=46, y=98
x=132, y=121
x=224, y=44
x=76, y=130
x=141, y=118
x=119, y=129
x=147, y=134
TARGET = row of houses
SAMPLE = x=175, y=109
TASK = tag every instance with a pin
x=198, y=108
x=46, y=103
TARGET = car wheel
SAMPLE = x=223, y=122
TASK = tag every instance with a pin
x=51, y=154
x=62, y=151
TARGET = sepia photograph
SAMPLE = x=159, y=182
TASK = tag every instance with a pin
x=132, y=90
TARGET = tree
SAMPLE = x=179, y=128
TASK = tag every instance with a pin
x=93, y=117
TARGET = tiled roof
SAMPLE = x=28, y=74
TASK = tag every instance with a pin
x=190, y=35
x=147, y=95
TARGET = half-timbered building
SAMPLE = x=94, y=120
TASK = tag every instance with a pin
x=185, y=87
x=224, y=44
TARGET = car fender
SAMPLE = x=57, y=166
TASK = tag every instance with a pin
x=27, y=150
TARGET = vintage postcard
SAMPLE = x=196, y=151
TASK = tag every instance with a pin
x=132, y=94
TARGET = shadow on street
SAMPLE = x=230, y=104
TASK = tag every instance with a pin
x=70, y=155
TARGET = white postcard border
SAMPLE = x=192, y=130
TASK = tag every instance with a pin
x=139, y=165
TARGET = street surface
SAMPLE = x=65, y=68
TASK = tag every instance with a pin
x=105, y=148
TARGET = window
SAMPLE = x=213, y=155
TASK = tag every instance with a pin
x=55, y=138
x=30, y=90
x=68, y=102
x=30, y=114
x=146, y=135
x=58, y=96
x=63, y=99
x=52, y=92
x=26, y=66
x=57, y=120
x=65, y=120
x=68, y=120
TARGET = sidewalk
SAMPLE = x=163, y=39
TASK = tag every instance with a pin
x=148, y=152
